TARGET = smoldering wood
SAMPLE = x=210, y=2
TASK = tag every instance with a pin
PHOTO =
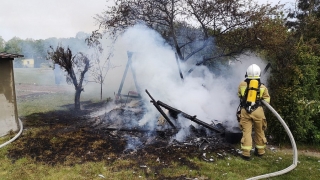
x=122, y=125
x=160, y=110
x=192, y=118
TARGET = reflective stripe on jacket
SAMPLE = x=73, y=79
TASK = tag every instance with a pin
x=264, y=94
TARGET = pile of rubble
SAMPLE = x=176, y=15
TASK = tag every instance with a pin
x=123, y=122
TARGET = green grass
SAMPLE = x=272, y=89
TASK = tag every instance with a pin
x=24, y=169
x=44, y=103
x=42, y=76
x=231, y=167
x=227, y=168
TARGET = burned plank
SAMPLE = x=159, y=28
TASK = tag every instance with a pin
x=160, y=110
x=192, y=118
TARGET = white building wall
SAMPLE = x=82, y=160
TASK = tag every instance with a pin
x=7, y=119
x=8, y=111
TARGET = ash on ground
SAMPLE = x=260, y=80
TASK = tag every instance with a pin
x=123, y=121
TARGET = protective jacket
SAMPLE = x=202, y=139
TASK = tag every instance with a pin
x=253, y=120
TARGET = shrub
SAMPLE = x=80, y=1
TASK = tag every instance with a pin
x=295, y=95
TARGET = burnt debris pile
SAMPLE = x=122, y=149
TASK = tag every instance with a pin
x=123, y=122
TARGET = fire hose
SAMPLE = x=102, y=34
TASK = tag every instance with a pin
x=293, y=143
x=15, y=137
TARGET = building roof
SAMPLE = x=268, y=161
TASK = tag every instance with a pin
x=9, y=56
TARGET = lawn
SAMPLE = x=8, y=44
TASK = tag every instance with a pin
x=50, y=125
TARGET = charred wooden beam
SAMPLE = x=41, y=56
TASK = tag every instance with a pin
x=192, y=118
x=160, y=110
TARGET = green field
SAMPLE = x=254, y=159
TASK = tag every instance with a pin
x=41, y=76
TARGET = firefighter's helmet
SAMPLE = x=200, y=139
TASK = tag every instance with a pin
x=253, y=72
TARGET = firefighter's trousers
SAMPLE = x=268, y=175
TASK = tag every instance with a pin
x=256, y=121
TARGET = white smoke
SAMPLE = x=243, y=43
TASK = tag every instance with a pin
x=201, y=93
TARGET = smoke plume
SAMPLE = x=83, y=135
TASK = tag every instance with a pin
x=212, y=98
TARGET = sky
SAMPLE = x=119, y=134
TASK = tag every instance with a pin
x=42, y=19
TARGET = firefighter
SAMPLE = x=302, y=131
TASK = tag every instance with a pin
x=251, y=114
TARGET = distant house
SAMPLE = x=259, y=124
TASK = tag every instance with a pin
x=28, y=63
x=8, y=105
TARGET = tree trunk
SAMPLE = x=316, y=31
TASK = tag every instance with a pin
x=77, y=99
x=100, y=91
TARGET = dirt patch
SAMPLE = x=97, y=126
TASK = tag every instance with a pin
x=32, y=91
x=308, y=153
x=34, y=88
x=311, y=153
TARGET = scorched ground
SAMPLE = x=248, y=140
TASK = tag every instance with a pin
x=69, y=138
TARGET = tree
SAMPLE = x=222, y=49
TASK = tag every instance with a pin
x=76, y=67
x=299, y=17
x=2, y=44
x=13, y=46
x=100, y=68
x=294, y=73
x=306, y=24
x=296, y=95
x=191, y=27
x=34, y=49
